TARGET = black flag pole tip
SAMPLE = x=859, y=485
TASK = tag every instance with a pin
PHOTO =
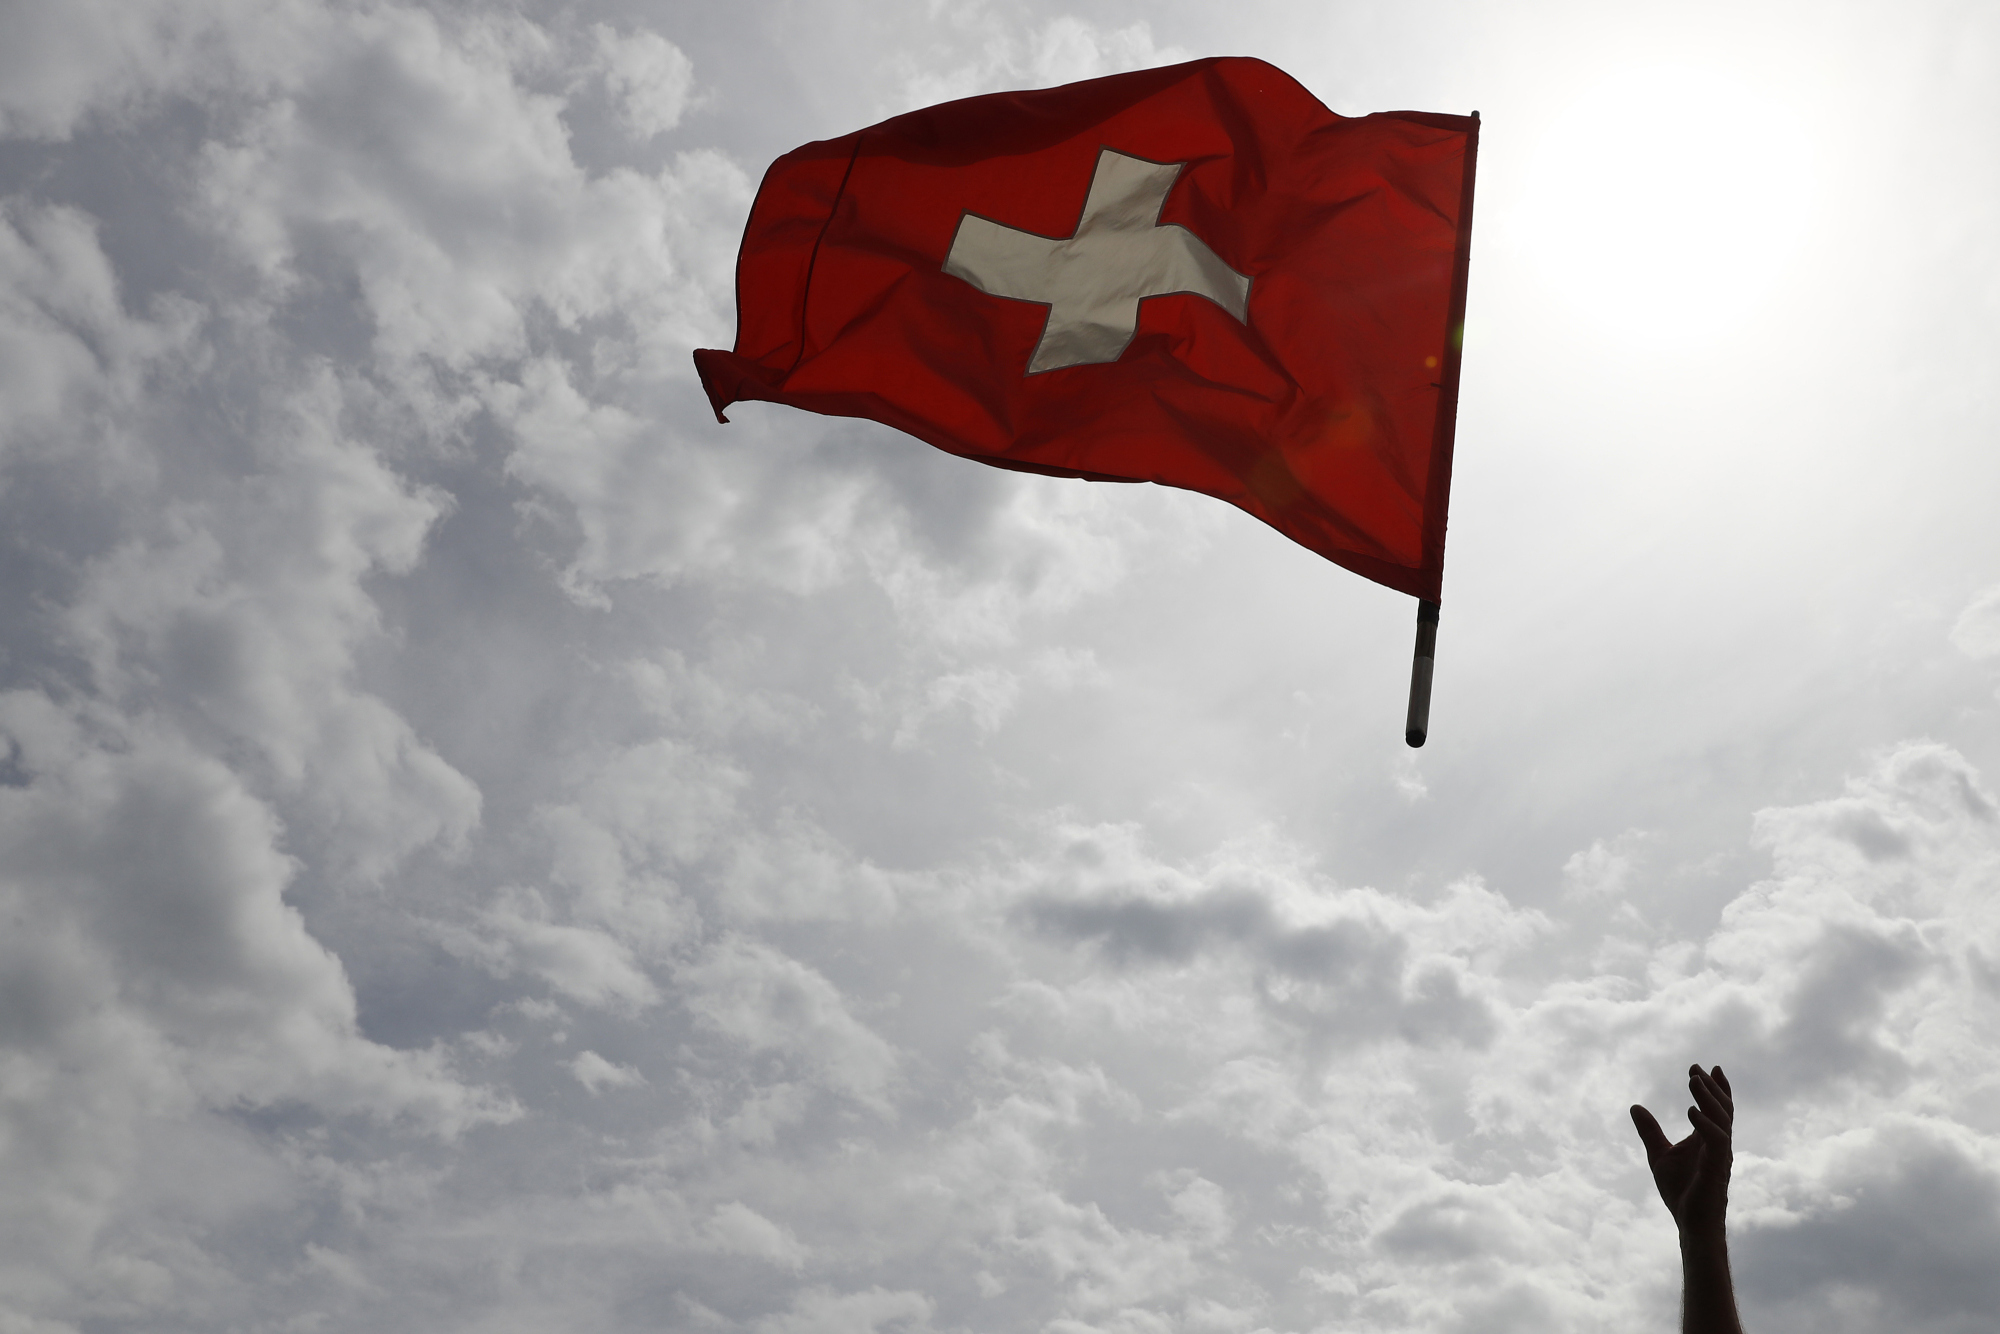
x=1419, y=725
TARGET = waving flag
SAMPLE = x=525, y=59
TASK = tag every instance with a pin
x=1196, y=275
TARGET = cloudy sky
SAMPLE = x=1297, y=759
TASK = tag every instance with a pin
x=485, y=848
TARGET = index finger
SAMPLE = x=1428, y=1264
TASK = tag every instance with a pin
x=1710, y=1097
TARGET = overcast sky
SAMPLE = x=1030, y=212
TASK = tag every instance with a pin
x=485, y=848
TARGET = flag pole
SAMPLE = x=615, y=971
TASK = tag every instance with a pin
x=1419, y=724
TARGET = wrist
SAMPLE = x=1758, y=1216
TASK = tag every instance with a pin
x=1707, y=1237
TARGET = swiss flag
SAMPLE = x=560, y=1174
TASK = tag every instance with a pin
x=1196, y=275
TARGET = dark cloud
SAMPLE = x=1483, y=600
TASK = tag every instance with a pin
x=1344, y=982
x=1828, y=1021
x=1876, y=838
x=1450, y=1228
x=1904, y=1237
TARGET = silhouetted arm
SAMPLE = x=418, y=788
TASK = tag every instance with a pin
x=1693, y=1177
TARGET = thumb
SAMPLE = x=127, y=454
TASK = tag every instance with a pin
x=1650, y=1134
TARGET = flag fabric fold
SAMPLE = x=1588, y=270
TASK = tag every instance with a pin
x=1197, y=276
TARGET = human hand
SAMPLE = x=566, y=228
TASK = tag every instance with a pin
x=1693, y=1175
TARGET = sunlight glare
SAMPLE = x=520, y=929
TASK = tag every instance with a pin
x=1670, y=202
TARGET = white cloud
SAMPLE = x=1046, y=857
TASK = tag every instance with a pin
x=152, y=970
x=737, y=1229
x=704, y=701
x=650, y=76
x=754, y=995
x=597, y=1074
x=64, y=64
x=1059, y=50
x=875, y=1309
x=1604, y=869
x=583, y=963
x=1976, y=632
x=74, y=356
x=449, y=188
x=987, y=694
x=238, y=610
x=1408, y=779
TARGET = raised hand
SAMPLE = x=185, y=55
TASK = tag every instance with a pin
x=1693, y=1175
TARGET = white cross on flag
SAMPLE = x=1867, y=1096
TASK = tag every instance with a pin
x=1196, y=275
x=1093, y=281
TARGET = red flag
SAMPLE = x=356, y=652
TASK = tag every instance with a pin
x=1196, y=275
